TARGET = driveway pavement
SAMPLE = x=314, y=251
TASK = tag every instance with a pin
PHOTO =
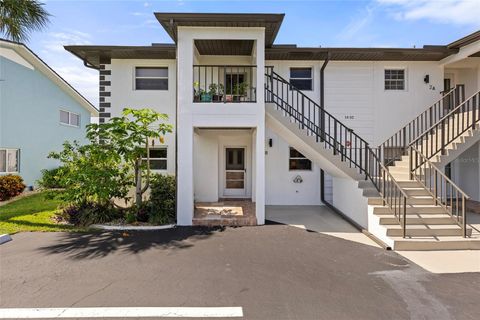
x=271, y=272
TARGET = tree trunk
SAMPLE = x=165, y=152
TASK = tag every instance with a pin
x=138, y=183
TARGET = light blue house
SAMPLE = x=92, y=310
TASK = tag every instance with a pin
x=38, y=112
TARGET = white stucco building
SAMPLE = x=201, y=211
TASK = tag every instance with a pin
x=273, y=124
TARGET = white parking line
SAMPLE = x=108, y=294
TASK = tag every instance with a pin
x=121, y=312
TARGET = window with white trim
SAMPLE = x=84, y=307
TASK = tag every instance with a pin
x=151, y=78
x=298, y=161
x=9, y=160
x=302, y=78
x=394, y=79
x=158, y=158
x=69, y=118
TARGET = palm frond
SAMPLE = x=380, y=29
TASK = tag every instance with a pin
x=18, y=18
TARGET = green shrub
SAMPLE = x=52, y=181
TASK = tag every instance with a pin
x=162, y=201
x=89, y=213
x=51, y=179
x=10, y=186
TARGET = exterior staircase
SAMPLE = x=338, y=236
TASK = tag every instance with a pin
x=412, y=205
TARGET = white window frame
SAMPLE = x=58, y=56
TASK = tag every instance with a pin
x=166, y=159
x=152, y=67
x=405, y=77
x=6, y=164
x=298, y=158
x=312, y=75
x=69, y=119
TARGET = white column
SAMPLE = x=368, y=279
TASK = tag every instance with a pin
x=185, y=205
x=260, y=132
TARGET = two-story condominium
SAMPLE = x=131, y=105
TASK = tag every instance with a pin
x=378, y=134
x=38, y=112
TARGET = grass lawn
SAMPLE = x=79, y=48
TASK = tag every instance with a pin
x=32, y=213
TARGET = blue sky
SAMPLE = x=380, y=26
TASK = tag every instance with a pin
x=372, y=23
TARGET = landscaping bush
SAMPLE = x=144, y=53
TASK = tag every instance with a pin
x=51, y=179
x=10, y=186
x=89, y=213
x=162, y=199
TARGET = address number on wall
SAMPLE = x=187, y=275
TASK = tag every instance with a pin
x=349, y=117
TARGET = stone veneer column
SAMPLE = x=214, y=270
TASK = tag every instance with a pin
x=105, y=87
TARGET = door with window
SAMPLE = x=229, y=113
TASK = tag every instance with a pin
x=235, y=172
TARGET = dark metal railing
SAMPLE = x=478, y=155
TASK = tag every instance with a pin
x=334, y=135
x=397, y=145
x=225, y=84
x=449, y=128
x=443, y=190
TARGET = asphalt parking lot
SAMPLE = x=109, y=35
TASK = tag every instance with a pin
x=271, y=272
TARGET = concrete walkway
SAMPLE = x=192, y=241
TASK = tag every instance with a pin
x=320, y=219
x=323, y=220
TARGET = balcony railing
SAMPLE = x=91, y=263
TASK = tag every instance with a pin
x=224, y=84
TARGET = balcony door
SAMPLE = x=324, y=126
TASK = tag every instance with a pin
x=235, y=172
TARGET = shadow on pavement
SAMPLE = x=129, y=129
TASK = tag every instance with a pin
x=100, y=244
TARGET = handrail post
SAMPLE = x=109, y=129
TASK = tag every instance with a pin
x=410, y=163
x=367, y=163
x=444, y=132
x=404, y=222
x=464, y=215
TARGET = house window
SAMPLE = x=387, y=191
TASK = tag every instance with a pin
x=69, y=118
x=298, y=161
x=158, y=158
x=301, y=78
x=151, y=78
x=9, y=160
x=394, y=79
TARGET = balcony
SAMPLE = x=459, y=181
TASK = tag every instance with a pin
x=224, y=84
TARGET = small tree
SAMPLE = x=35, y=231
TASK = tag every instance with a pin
x=130, y=136
x=92, y=173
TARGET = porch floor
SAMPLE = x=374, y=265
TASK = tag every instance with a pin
x=225, y=213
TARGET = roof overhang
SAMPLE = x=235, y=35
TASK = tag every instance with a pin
x=471, y=38
x=291, y=52
x=92, y=55
x=40, y=65
x=271, y=22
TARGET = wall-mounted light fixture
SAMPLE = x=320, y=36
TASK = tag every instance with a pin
x=426, y=79
x=270, y=142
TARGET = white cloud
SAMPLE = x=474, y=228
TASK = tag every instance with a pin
x=459, y=12
x=357, y=24
x=70, y=68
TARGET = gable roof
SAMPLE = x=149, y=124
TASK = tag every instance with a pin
x=270, y=21
x=40, y=65
x=457, y=44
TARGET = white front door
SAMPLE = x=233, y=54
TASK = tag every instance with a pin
x=235, y=172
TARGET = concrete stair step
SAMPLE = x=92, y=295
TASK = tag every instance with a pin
x=416, y=192
x=411, y=201
x=411, y=210
x=435, y=243
x=417, y=230
x=409, y=184
x=415, y=219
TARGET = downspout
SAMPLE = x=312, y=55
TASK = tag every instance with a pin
x=322, y=120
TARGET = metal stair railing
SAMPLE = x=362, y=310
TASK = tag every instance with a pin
x=397, y=145
x=341, y=140
x=443, y=190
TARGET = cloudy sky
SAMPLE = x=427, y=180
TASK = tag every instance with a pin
x=374, y=23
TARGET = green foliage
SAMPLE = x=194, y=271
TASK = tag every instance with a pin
x=51, y=179
x=10, y=186
x=88, y=213
x=162, y=199
x=130, y=136
x=92, y=173
x=20, y=17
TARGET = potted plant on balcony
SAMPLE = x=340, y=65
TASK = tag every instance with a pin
x=212, y=90
x=220, y=91
x=240, y=91
x=196, y=91
x=205, y=96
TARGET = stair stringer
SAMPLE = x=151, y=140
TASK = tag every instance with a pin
x=307, y=145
